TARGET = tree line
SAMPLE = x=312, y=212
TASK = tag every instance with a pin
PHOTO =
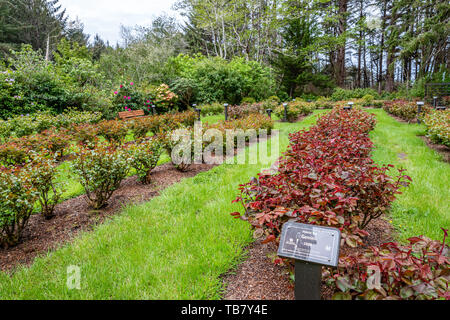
x=310, y=45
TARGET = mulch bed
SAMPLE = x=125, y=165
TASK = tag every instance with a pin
x=258, y=278
x=74, y=216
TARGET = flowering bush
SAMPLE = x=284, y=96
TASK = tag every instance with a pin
x=144, y=157
x=113, y=130
x=417, y=271
x=164, y=99
x=438, y=126
x=100, y=171
x=127, y=97
x=325, y=178
x=43, y=174
x=17, y=198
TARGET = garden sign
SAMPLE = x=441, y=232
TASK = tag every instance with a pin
x=312, y=247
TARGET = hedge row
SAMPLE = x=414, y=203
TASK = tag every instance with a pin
x=29, y=176
x=438, y=126
x=328, y=178
x=406, y=110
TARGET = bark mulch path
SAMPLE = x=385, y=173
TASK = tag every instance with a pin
x=258, y=278
x=74, y=216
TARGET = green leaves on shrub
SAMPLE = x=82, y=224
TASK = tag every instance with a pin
x=17, y=198
x=144, y=157
x=43, y=173
x=100, y=171
x=438, y=127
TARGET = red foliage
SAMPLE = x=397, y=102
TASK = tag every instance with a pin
x=325, y=178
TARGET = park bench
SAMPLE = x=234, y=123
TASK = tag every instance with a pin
x=126, y=115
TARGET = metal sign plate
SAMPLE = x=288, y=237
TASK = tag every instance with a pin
x=310, y=243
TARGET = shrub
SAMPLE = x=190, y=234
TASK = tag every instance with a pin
x=244, y=110
x=326, y=178
x=405, y=110
x=43, y=173
x=17, y=198
x=85, y=134
x=368, y=99
x=324, y=103
x=212, y=109
x=417, y=271
x=113, y=130
x=180, y=146
x=144, y=157
x=128, y=97
x=295, y=110
x=13, y=154
x=438, y=126
x=141, y=126
x=248, y=100
x=100, y=171
x=340, y=94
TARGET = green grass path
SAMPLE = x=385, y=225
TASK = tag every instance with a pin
x=425, y=206
x=174, y=247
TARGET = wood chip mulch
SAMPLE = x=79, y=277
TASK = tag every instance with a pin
x=258, y=278
x=74, y=216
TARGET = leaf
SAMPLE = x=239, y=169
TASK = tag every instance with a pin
x=343, y=283
x=270, y=238
x=406, y=292
x=342, y=296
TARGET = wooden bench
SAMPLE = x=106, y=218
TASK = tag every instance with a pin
x=131, y=114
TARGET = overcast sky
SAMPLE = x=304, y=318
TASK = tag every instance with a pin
x=106, y=16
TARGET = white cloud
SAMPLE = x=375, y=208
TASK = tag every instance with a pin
x=106, y=16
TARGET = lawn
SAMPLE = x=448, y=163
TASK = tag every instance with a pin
x=175, y=246
x=424, y=207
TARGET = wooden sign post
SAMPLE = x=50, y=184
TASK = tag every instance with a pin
x=312, y=247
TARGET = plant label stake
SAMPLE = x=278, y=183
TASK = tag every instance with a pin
x=199, y=115
x=226, y=111
x=154, y=109
x=311, y=247
x=350, y=106
x=285, y=112
x=420, y=104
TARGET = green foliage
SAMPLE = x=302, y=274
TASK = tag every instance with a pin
x=215, y=79
x=144, y=156
x=340, y=94
x=114, y=131
x=212, y=109
x=295, y=110
x=100, y=171
x=17, y=198
x=438, y=126
x=43, y=179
